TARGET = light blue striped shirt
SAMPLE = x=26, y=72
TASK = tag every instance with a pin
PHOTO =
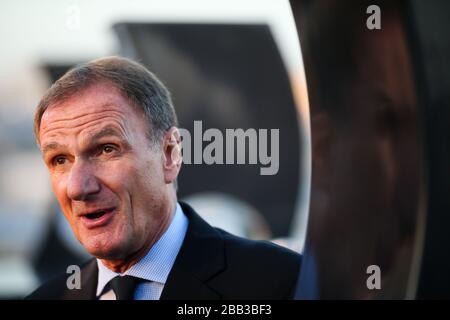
x=154, y=267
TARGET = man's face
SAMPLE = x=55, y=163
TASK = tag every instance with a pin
x=110, y=182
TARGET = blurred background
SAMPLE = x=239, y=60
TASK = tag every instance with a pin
x=363, y=115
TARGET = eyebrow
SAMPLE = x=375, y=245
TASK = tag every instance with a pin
x=50, y=147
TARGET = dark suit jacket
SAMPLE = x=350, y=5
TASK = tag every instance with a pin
x=211, y=264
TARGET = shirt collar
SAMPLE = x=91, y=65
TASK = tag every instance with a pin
x=157, y=263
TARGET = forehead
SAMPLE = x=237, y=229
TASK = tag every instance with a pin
x=89, y=109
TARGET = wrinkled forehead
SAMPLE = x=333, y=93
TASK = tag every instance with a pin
x=91, y=108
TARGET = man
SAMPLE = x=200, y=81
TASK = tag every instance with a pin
x=107, y=133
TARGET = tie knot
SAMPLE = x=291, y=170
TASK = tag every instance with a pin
x=124, y=286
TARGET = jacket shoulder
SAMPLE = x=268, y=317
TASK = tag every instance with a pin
x=269, y=269
x=57, y=289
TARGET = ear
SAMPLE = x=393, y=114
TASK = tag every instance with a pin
x=172, y=158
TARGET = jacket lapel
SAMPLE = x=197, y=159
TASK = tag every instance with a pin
x=201, y=258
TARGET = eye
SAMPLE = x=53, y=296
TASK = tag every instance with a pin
x=108, y=148
x=59, y=160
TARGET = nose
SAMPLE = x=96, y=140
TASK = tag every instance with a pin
x=82, y=183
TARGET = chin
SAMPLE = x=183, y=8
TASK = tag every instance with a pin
x=104, y=248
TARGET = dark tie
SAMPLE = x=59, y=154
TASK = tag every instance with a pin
x=124, y=287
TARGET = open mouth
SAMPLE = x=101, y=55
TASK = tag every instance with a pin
x=97, y=218
x=96, y=215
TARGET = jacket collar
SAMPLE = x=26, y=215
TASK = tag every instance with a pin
x=201, y=258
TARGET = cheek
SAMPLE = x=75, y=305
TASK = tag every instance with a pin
x=146, y=183
x=116, y=176
x=145, y=172
x=121, y=182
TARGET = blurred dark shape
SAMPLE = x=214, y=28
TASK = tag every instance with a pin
x=367, y=173
x=430, y=28
x=55, y=255
x=227, y=76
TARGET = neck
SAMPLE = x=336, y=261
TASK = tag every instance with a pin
x=122, y=265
